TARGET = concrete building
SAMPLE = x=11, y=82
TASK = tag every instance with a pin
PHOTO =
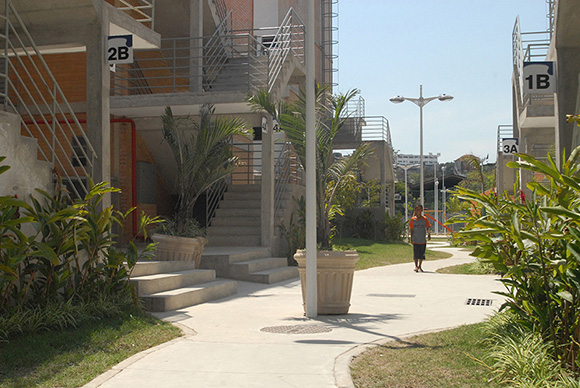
x=411, y=159
x=539, y=117
x=67, y=113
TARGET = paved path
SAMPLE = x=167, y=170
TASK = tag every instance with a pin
x=260, y=337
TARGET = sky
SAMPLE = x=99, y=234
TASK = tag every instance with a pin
x=457, y=47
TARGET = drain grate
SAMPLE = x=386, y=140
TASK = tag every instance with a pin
x=478, y=302
x=297, y=329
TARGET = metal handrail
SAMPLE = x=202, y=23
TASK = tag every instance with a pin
x=31, y=90
x=287, y=170
x=290, y=37
x=143, y=11
x=376, y=128
x=503, y=132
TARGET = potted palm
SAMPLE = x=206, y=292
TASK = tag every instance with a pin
x=203, y=157
x=335, y=268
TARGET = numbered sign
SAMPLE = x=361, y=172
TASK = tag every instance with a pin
x=120, y=49
x=510, y=146
x=539, y=77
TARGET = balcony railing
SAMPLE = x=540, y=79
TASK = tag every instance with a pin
x=141, y=10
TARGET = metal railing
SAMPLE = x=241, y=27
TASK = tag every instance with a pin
x=329, y=40
x=30, y=90
x=527, y=47
x=376, y=128
x=289, y=38
x=226, y=61
x=141, y=10
x=503, y=132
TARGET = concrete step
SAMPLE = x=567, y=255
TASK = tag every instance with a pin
x=275, y=275
x=189, y=296
x=236, y=221
x=240, y=212
x=151, y=284
x=257, y=265
x=217, y=231
x=234, y=241
x=245, y=188
x=143, y=268
x=240, y=204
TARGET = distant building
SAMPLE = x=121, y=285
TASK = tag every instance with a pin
x=410, y=159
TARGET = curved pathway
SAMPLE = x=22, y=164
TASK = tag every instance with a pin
x=260, y=337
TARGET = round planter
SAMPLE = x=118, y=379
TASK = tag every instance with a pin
x=172, y=248
x=335, y=272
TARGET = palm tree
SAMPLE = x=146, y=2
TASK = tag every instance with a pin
x=330, y=118
x=202, y=154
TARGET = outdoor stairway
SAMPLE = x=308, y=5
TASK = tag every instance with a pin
x=241, y=72
x=171, y=285
x=251, y=264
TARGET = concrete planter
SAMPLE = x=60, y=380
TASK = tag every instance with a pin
x=171, y=248
x=335, y=274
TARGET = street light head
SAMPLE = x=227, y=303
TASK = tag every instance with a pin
x=397, y=99
x=445, y=97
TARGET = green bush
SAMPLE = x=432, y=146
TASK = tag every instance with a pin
x=69, y=258
x=535, y=245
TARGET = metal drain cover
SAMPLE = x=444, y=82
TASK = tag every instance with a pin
x=297, y=329
x=478, y=302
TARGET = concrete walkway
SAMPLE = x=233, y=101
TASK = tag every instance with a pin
x=260, y=337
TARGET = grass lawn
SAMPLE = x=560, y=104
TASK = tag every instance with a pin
x=72, y=358
x=376, y=254
x=445, y=359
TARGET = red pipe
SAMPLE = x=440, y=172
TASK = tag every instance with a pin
x=133, y=159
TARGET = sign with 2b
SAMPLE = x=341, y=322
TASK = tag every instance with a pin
x=120, y=49
x=510, y=146
x=539, y=78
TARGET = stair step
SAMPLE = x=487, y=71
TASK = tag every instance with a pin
x=234, y=241
x=236, y=221
x=244, y=188
x=241, y=204
x=190, y=295
x=257, y=265
x=275, y=275
x=223, y=212
x=216, y=231
x=143, y=268
x=151, y=284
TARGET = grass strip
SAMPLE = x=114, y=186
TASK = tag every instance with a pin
x=446, y=359
x=72, y=358
x=376, y=254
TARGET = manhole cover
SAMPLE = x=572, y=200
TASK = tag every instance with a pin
x=297, y=329
x=478, y=302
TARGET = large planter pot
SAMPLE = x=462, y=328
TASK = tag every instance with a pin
x=172, y=248
x=335, y=272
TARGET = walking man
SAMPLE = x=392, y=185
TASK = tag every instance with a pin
x=419, y=228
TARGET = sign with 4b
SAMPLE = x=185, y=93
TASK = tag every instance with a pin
x=510, y=146
x=120, y=49
x=539, y=77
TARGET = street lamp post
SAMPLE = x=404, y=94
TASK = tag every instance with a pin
x=443, y=191
x=421, y=102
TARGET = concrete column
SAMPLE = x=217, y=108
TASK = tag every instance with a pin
x=267, y=219
x=98, y=92
x=196, y=46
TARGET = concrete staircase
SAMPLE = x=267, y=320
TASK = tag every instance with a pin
x=234, y=240
x=171, y=285
x=251, y=264
x=241, y=72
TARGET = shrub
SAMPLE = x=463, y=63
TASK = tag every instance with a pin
x=535, y=245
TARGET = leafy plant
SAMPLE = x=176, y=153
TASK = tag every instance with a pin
x=190, y=228
x=202, y=154
x=535, y=245
x=331, y=117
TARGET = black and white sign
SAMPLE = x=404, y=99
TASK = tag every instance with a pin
x=120, y=49
x=539, y=77
x=510, y=146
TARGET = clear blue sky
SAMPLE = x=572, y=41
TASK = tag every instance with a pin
x=458, y=47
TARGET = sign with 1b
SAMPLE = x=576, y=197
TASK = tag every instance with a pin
x=539, y=77
x=510, y=146
x=120, y=49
